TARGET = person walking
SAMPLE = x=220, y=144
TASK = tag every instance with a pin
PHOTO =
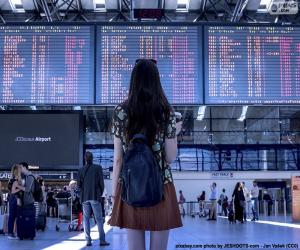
x=247, y=201
x=91, y=186
x=181, y=202
x=224, y=202
x=239, y=202
x=15, y=198
x=254, y=201
x=213, y=199
x=146, y=112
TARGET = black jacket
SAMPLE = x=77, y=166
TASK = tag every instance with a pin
x=90, y=183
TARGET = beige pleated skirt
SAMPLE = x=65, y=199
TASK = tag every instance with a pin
x=163, y=216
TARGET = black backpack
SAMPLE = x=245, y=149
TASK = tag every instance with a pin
x=142, y=183
x=37, y=190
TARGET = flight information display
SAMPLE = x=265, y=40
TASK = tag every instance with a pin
x=43, y=64
x=252, y=65
x=177, y=50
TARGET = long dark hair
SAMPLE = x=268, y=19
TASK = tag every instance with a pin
x=147, y=106
x=238, y=184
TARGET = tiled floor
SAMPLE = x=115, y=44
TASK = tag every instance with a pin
x=196, y=231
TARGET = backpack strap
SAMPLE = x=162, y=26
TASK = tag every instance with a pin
x=33, y=183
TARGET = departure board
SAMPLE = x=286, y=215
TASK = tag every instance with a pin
x=252, y=65
x=43, y=64
x=176, y=48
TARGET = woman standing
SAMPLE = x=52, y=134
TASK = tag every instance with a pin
x=15, y=198
x=239, y=201
x=146, y=111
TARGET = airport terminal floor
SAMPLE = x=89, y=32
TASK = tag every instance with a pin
x=197, y=233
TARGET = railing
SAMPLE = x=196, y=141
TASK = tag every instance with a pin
x=221, y=157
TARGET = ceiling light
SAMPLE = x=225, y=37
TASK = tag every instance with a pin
x=243, y=114
x=16, y=5
x=265, y=2
x=182, y=2
x=201, y=113
x=182, y=5
x=16, y=2
x=99, y=4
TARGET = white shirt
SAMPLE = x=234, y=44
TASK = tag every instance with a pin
x=254, y=192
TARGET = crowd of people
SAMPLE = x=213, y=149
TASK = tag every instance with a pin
x=243, y=202
x=27, y=192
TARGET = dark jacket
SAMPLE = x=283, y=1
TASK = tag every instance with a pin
x=90, y=183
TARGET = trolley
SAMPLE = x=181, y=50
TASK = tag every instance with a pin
x=65, y=213
x=191, y=210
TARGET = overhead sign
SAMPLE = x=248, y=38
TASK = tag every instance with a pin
x=296, y=198
x=4, y=175
x=222, y=175
x=283, y=7
x=49, y=176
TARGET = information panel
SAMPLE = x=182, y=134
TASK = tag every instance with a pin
x=46, y=64
x=252, y=65
x=43, y=139
x=177, y=50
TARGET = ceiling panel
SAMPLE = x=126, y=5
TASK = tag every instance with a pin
x=28, y=4
x=87, y=4
x=111, y=4
x=194, y=4
x=4, y=5
x=170, y=4
x=145, y=4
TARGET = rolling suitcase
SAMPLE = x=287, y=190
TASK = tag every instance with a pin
x=26, y=222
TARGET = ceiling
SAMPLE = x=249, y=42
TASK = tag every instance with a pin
x=119, y=10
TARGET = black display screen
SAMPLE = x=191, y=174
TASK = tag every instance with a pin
x=43, y=64
x=252, y=64
x=46, y=140
x=177, y=50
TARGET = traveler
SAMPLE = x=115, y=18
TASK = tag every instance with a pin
x=91, y=186
x=201, y=200
x=247, y=201
x=76, y=202
x=26, y=222
x=254, y=201
x=15, y=198
x=51, y=203
x=213, y=199
x=239, y=202
x=223, y=202
x=148, y=112
x=181, y=202
x=268, y=199
x=1, y=196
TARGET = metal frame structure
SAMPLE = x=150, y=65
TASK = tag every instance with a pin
x=122, y=10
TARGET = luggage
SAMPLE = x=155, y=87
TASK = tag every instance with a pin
x=26, y=222
x=231, y=217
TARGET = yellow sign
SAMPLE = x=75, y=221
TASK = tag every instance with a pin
x=296, y=198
